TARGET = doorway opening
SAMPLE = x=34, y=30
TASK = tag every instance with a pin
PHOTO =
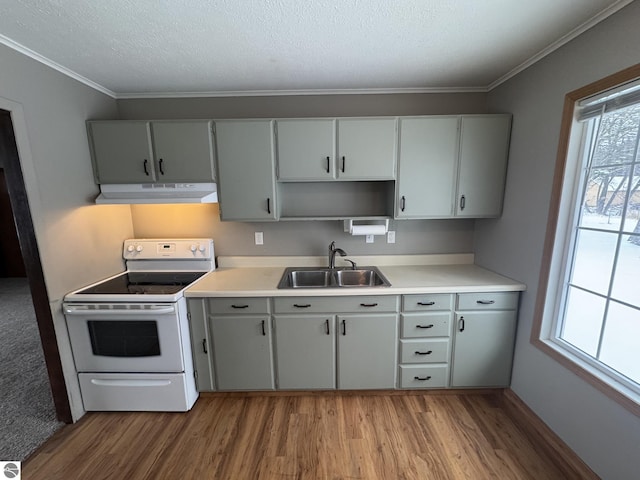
x=30, y=259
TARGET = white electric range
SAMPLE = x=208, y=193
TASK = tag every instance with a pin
x=130, y=333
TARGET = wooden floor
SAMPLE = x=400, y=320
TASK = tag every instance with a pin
x=446, y=436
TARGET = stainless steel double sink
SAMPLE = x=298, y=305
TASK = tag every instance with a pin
x=317, y=277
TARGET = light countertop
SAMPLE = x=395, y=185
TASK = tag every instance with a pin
x=405, y=279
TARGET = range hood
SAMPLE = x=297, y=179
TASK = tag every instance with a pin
x=147, y=193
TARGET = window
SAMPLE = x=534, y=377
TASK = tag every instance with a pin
x=589, y=315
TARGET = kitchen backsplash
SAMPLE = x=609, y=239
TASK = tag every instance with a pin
x=298, y=237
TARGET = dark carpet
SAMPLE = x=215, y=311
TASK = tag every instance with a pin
x=27, y=415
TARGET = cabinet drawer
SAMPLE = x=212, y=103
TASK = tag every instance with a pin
x=431, y=324
x=239, y=305
x=359, y=304
x=488, y=301
x=436, y=301
x=424, y=351
x=424, y=376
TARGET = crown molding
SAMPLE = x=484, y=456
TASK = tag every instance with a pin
x=278, y=93
x=607, y=12
x=56, y=66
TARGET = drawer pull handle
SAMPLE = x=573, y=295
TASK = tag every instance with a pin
x=368, y=304
x=425, y=326
x=239, y=306
x=326, y=324
x=204, y=345
x=461, y=324
x=264, y=332
x=344, y=327
x=144, y=165
x=404, y=204
x=426, y=304
x=161, y=166
x=298, y=305
x=422, y=379
x=328, y=165
x=343, y=163
x=486, y=302
x=425, y=353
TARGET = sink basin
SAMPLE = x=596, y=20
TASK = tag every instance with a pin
x=313, y=277
x=309, y=278
x=360, y=278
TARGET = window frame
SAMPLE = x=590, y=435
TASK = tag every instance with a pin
x=558, y=245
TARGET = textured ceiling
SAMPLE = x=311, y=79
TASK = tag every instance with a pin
x=150, y=47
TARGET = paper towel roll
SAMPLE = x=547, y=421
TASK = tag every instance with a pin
x=368, y=230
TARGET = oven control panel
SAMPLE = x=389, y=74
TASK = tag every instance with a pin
x=178, y=249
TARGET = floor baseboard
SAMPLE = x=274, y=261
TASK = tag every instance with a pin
x=545, y=439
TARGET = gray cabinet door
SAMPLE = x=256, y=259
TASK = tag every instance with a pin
x=367, y=356
x=306, y=149
x=246, y=169
x=366, y=148
x=122, y=151
x=183, y=151
x=305, y=351
x=483, y=348
x=201, y=345
x=427, y=167
x=242, y=352
x=484, y=148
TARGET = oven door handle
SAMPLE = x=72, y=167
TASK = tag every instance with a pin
x=146, y=310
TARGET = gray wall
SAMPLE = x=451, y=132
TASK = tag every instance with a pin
x=604, y=434
x=49, y=111
x=307, y=237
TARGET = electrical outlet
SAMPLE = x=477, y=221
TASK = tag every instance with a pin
x=369, y=239
x=391, y=236
x=259, y=238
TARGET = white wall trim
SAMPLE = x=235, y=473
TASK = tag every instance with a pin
x=284, y=93
x=56, y=66
x=607, y=12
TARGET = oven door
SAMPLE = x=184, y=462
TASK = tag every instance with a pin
x=118, y=338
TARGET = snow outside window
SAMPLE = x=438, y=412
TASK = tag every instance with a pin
x=598, y=304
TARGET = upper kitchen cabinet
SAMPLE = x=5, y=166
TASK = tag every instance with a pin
x=176, y=151
x=366, y=148
x=306, y=149
x=348, y=149
x=484, y=149
x=246, y=169
x=427, y=166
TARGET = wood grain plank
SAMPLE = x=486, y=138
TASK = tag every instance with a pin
x=369, y=437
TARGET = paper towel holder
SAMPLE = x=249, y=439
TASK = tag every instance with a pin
x=366, y=227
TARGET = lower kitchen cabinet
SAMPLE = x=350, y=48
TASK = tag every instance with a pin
x=484, y=340
x=354, y=342
x=201, y=345
x=242, y=352
x=367, y=355
x=305, y=351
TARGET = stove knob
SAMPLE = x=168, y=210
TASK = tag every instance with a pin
x=192, y=248
x=139, y=248
x=130, y=248
x=202, y=248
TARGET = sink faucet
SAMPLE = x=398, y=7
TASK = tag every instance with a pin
x=332, y=254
